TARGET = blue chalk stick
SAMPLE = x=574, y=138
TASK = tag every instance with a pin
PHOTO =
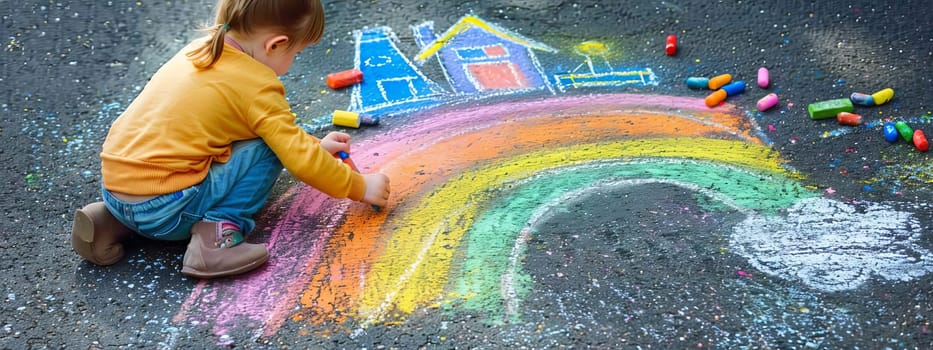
x=698, y=83
x=890, y=132
x=734, y=88
x=862, y=99
x=366, y=119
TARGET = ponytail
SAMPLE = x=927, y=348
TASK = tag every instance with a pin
x=301, y=20
x=209, y=52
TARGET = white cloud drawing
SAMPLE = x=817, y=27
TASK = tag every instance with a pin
x=834, y=246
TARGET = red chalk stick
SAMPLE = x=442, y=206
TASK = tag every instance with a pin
x=846, y=118
x=344, y=78
x=671, y=47
x=920, y=141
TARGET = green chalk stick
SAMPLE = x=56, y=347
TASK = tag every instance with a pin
x=829, y=109
x=905, y=130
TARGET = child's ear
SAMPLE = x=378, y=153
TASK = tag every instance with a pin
x=275, y=42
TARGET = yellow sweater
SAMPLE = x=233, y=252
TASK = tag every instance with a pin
x=186, y=118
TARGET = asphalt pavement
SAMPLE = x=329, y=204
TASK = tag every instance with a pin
x=555, y=181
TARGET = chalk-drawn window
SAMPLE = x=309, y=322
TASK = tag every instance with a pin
x=482, y=53
x=378, y=61
x=397, y=89
x=496, y=51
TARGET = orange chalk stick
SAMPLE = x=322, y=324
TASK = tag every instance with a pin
x=719, y=80
x=715, y=98
x=345, y=78
x=846, y=118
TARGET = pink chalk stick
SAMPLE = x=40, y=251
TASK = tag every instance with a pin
x=764, y=78
x=765, y=103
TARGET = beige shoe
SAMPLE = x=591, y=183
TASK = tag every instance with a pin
x=97, y=236
x=217, y=251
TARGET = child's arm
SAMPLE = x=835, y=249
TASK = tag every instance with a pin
x=377, y=185
x=305, y=157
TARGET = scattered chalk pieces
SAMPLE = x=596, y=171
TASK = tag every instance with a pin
x=900, y=129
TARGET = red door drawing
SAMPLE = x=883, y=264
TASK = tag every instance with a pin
x=497, y=75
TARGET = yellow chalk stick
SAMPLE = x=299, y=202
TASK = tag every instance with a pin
x=347, y=119
x=883, y=96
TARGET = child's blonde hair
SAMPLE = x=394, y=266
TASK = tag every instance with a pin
x=301, y=20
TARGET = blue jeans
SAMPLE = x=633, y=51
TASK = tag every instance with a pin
x=232, y=192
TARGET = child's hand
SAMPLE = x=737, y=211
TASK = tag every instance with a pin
x=335, y=142
x=377, y=189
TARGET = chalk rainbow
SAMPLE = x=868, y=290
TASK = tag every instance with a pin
x=469, y=184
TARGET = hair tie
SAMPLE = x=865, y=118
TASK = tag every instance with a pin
x=226, y=27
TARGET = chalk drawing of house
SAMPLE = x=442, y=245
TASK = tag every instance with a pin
x=477, y=57
x=589, y=74
x=391, y=83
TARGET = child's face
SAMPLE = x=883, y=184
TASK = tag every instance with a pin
x=281, y=60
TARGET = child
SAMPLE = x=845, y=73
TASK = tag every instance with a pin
x=196, y=154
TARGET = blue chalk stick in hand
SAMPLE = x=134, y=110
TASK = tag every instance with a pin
x=345, y=157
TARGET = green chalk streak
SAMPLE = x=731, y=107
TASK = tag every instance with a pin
x=477, y=281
